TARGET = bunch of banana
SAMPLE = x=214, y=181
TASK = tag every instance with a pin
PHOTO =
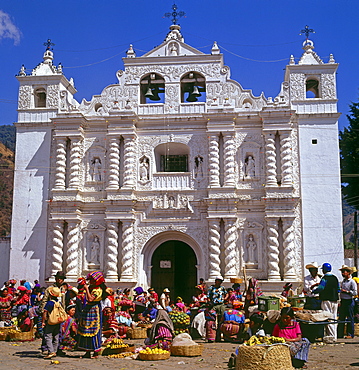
x=116, y=343
x=121, y=355
x=264, y=340
x=153, y=351
x=276, y=340
x=253, y=340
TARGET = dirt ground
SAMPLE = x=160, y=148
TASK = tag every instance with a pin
x=26, y=355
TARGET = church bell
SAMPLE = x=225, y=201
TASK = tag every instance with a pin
x=194, y=95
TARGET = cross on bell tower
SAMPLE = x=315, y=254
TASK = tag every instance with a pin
x=306, y=31
x=174, y=14
x=48, y=44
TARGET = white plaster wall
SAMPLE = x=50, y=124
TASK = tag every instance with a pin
x=4, y=260
x=321, y=193
x=29, y=216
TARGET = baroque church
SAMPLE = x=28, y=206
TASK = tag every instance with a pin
x=177, y=173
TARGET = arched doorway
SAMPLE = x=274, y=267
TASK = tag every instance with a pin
x=174, y=267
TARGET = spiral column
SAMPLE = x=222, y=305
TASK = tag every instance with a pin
x=288, y=249
x=60, y=174
x=112, y=251
x=75, y=160
x=229, y=160
x=72, y=253
x=286, y=159
x=273, y=249
x=127, y=250
x=214, y=161
x=230, y=248
x=57, y=248
x=214, y=248
x=114, y=164
x=129, y=162
x=271, y=166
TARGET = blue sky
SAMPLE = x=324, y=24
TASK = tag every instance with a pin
x=88, y=32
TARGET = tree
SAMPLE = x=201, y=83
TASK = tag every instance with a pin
x=349, y=157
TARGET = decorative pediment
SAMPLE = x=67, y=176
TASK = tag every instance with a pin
x=309, y=56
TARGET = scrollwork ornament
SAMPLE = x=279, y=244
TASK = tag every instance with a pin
x=24, y=97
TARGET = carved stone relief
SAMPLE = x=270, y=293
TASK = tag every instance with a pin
x=328, y=86
x=173, y=201
x=24, y=97
x=52, y=98
x=172, y=98
x=297, y=86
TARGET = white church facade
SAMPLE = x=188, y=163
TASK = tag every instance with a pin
x=176, y=173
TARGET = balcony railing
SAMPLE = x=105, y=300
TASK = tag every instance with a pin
x=172, y=180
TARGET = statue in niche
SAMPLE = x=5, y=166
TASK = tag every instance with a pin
x=249, y=167
x=171, y=201
x=144, y=169
x=198, y=166
x=95, y=251
x=251, y=250
x=173, y=49
x=95, y=170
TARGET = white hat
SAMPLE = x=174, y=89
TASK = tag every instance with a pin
x=166, y=290
x=312, y=265
x=219, y=277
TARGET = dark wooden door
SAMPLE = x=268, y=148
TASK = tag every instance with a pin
x=174, y=267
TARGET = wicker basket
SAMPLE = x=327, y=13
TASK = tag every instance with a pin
x=236, y=280
x=115, y=351
x=21, y=336
x=3, y=335
x=154, y=356
x=147, y=326
x=262, y=357
x=187, y=351
x=137, y=333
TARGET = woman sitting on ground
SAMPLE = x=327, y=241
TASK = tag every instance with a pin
x=232, y=325
x=68, y=331
x=162, y=328
x=289, y=329
x=255, y=326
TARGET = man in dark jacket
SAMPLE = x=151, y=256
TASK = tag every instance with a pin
x=328, y=290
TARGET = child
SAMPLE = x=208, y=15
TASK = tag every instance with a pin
x=68, y=331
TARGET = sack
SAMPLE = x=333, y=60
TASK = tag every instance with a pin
x=57, y=315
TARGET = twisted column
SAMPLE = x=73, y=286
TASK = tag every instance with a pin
x=214, y=249
x=286, y=159
x=127, y=251
x=214, y=161
x=112, y=251
x=271, y=166
x=72, y=257
x=129, y=162
x=75, y=160
x=57, y=248
x=273, y=249
x=230, y=250
x=229, y=160
x=60, y=174
x=114, y=164
x=288, y=249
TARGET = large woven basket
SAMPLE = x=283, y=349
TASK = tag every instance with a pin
x=115, y=351
x=143, y=325
x=137, y=333
x=236, y=280
x=3, y=335
x=187, y=351
x=21, y=336
x=262, y=357
x=154, y=356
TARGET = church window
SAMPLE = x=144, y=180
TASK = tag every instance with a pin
x=172, y=157
x=193, y=88
x=314, y=141
x=312, y=88
x=152, y=89
x=40, y=98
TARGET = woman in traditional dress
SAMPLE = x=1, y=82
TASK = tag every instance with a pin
x=232, y=326
x=68, y=331
x=289, y=329
x=162, y=329
x=90, y=322
x=5, y=305
x=211, y=323
x=252, y=294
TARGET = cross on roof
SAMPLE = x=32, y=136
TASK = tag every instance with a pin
x=307, y=31
x=175, y=15
x=48, y=44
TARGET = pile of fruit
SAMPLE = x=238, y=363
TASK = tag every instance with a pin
x=154, y=351
x=116, y=343
x=253, y=340
x=121, y=355
x=180, y=321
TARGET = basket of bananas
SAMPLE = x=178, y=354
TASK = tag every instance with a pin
x=116, y=346
x=121, y=355
x=16, y=335
x=154, y=354
x=264, y=353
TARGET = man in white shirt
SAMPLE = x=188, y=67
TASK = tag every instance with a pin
x=311, y=281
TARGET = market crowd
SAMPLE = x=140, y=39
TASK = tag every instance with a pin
x=84, y=316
